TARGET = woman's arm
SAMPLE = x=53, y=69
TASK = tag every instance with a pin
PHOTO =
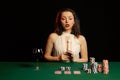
x=84, y=51
x=49, y=47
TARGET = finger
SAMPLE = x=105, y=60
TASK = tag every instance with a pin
x=65, y=53
x=70, y=52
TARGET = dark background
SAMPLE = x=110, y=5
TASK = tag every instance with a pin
x=26, y=25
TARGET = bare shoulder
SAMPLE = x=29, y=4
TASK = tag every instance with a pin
x=53, y=36
x=82, y=38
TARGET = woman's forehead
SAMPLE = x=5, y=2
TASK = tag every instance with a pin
x=67, y=13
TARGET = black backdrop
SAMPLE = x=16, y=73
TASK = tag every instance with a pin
x=26, y=25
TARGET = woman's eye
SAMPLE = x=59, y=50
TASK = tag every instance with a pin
x=62, y=18
x=70, y=18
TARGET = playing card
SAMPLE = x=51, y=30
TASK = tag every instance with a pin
x=76, y=72
x=67, y=72
x=58, y=72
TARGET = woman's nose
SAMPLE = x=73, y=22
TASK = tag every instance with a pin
x=66, y=20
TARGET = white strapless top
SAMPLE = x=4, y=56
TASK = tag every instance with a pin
x=60, y=44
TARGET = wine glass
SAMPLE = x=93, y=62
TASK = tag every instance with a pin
x=37, y=54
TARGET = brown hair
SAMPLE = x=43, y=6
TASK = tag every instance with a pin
x=58, y=27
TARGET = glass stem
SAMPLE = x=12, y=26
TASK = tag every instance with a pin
x=37, y=61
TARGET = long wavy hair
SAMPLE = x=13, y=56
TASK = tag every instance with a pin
x=58, y=26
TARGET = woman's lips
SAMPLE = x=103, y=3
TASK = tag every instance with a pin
x=67, y=25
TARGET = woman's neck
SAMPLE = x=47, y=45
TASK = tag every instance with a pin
x=67, y=31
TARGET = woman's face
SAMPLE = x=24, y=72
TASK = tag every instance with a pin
x=67, y=20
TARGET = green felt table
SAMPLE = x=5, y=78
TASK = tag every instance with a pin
x=26, y=71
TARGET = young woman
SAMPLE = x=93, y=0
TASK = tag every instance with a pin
x=66, y=38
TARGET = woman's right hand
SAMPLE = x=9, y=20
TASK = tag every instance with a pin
x=64, y=56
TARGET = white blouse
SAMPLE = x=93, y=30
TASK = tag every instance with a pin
x=60, y=44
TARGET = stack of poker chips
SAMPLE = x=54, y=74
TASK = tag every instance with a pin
x=67, y=68
x=85, y=68
x=99, y=68
x=62, y=68
x=105, y=66
x=92, y=61
x=93, y=65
